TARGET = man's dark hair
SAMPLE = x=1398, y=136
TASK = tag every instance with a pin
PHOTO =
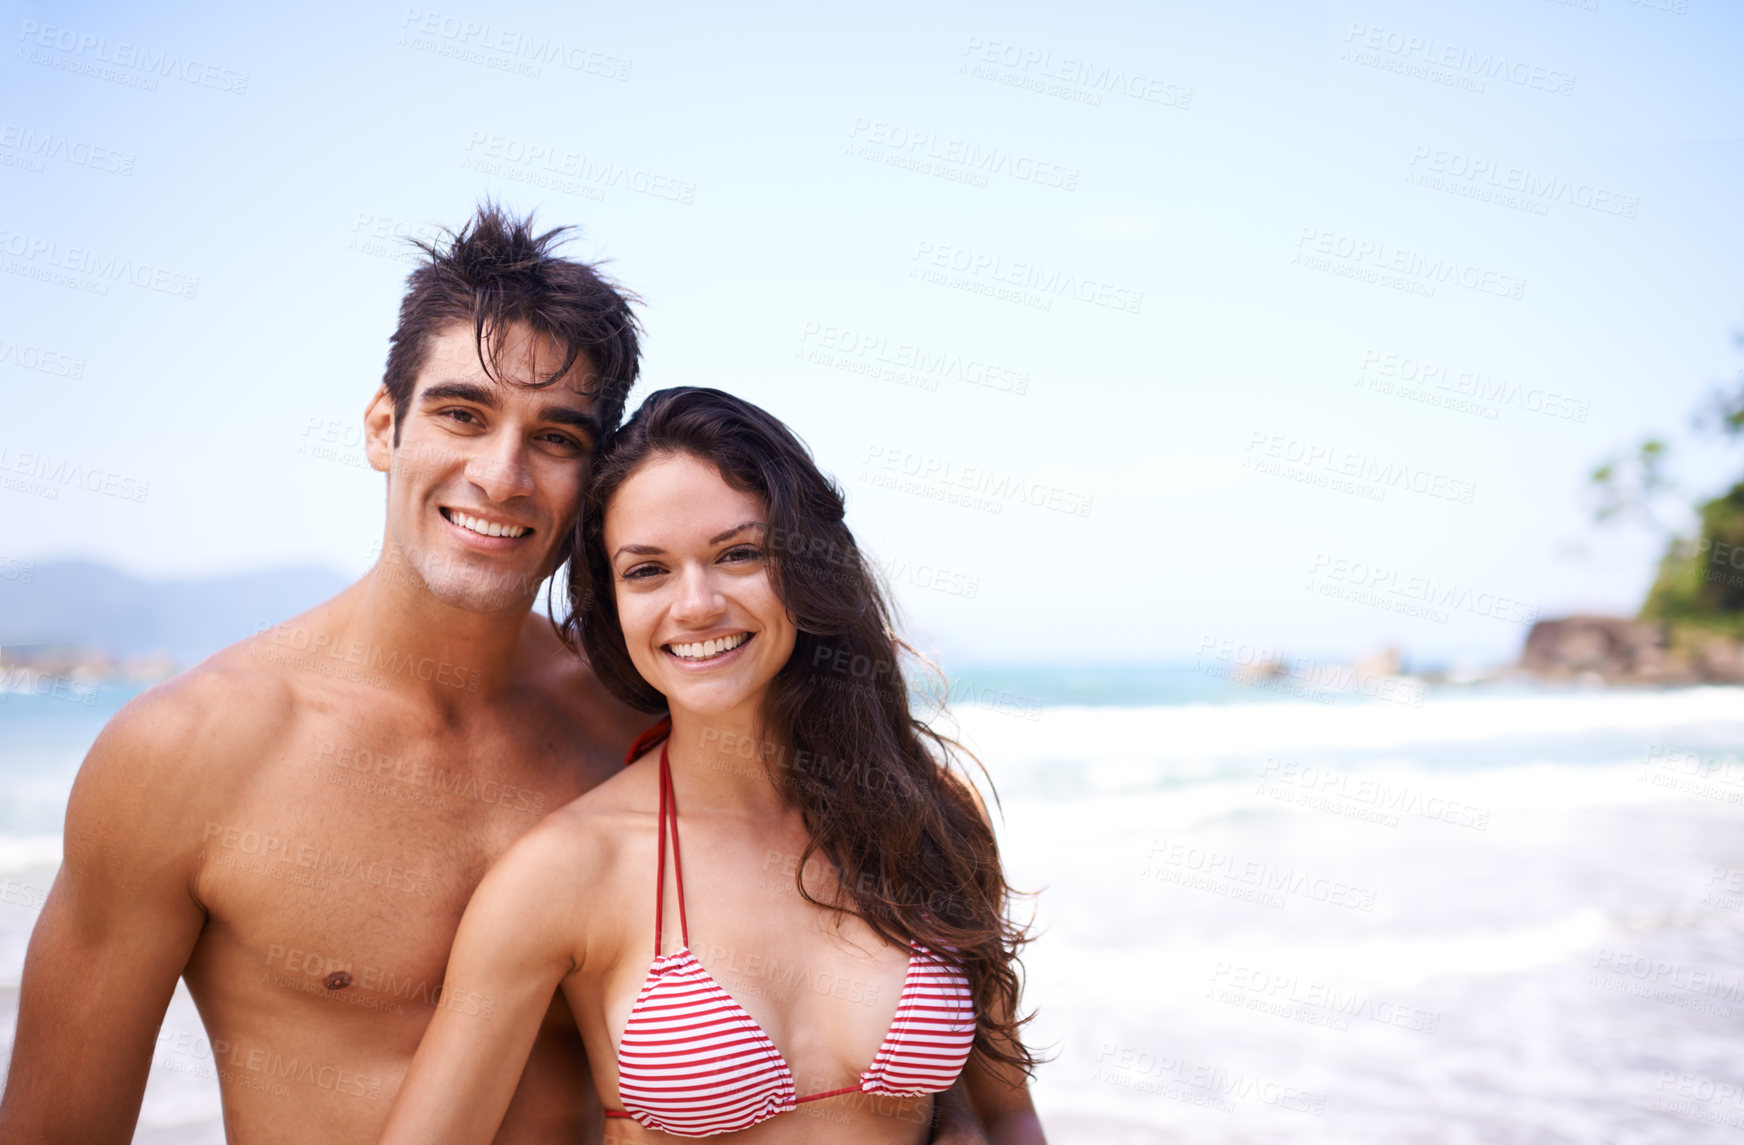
x=494, y=272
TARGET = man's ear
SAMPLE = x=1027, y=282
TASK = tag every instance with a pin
x=378, y=431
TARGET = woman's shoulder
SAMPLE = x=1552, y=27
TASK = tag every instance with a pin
x=584, y=841
x=565, y=886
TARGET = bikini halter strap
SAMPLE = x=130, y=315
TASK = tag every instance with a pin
x=668, y=809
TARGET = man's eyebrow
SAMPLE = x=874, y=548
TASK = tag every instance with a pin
x=571, y=416
x=717, y=539
x=461, y=391
x=487, y=397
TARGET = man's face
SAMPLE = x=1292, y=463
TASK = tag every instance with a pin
x=486, y=479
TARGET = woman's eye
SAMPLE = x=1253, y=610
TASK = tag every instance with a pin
x=640, y=572
x=741, y=554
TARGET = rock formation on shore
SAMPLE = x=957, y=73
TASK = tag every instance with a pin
x=1623, y=651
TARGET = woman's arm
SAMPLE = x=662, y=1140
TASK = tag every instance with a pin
x=954, y=1120
x=1000, y=1095
x=514, y=948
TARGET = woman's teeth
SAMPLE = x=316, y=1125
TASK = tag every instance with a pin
x=708, y=649
x=485, y=528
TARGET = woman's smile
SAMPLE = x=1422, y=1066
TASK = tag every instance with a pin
x=716, y=650
x=691, y=578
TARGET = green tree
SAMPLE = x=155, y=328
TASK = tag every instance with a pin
x=1700, y=585
x=1701, y=582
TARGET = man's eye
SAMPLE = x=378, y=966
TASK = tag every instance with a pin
x=564, y=441
x=460, y=415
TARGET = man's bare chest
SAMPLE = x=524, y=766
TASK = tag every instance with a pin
x=337, y=875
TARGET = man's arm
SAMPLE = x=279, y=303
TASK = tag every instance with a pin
x=118, y=927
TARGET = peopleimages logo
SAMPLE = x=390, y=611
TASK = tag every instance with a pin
x=900, y=140
x=574, y=171
x=1092, y=78
x=29, y=357
x=1365, y=474
x=40, y=145
x=1524, y=181
x=1372, y=257
x=821, y=343
x=85, y=49
x=56, y=473
x=1480, y=387
x=1422, y=588
x=98, y=268
x=1048, y=282
x=1456, y=60
x=947, y=474
x=509, y=49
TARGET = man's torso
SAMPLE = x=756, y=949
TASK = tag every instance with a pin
x=336, y=856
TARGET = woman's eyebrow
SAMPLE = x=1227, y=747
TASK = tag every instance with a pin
x=655, y=550
x=718, y=538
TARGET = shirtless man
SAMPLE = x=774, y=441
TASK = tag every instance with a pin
x=294, y=827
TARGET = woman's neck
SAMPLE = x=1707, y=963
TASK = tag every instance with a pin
x=728, y=760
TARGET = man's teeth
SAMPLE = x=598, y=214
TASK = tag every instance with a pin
x=708, y=648
x=485, y=528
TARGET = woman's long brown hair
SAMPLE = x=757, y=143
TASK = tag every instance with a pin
x=874, y=785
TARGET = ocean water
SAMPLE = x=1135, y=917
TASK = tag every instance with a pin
x=1466, y=916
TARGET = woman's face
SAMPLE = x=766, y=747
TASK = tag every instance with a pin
x=690, y=575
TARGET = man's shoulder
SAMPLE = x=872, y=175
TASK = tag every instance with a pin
x=173, y=757
x=567, y=681
x=547, y=659
x=221, y=709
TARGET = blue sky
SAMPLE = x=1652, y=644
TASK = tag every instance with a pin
x=1283, y=316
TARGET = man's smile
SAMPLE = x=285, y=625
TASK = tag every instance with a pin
x=485, y=526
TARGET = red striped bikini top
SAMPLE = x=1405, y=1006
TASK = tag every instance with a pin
x=693, y=1062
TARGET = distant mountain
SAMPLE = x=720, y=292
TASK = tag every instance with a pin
x=91, y=606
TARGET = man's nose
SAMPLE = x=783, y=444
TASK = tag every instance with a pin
x=500, y=468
